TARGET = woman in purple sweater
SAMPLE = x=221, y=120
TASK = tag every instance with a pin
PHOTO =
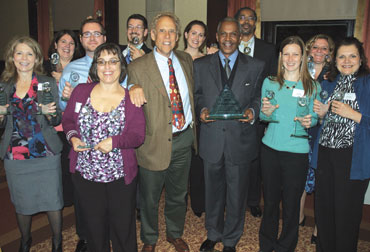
x=104, y=128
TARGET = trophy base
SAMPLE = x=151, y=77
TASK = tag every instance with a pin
x=226, y=117
x=85, y=147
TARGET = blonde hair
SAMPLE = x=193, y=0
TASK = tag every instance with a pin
x=312, y=41
x=309, y=85
x=10, y=74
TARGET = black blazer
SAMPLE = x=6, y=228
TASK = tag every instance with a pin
x=267, y=53
x=240, y=138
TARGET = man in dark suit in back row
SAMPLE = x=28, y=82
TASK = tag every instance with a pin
x=137, y=32
x=266, y=52
x=227, y=147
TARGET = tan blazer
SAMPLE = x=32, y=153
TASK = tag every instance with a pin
x=155, y=153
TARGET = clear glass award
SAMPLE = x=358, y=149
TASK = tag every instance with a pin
x=3, y=109
x=226, y=107
x=311, y=67
x=270, y=95
x=74, y=81
x=302, y=111
x=86, y=131
x=47, y=97
x=55, y=63
x=333, y=117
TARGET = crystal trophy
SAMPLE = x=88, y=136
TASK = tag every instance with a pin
x=270, y=95
x=3, y=109
x=302, y=111
x=55, y=62
x=226, y=107
x=73, y=80
x=86, y=131
x=47, y=97
x=332, y=117
x=324, y=95
x=311, y=67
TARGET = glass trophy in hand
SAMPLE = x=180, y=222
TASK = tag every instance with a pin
x=85, y=129
x=333, y=117
x=3, y=109
x=270, y=95
x=226, y=107
x=55, y=63
x=74, y=78
x=311, y=67
x=302, y=111
x=47, y=98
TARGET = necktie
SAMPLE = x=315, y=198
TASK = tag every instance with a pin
x=227, y=68
x=178, y=118
x=128, y=57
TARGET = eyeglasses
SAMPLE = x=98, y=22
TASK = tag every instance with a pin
x=242, y=17
x=111, y=62
x=95, y=34
x=139, y=27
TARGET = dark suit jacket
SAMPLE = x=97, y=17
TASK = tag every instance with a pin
x=267, y=53
x=239, y=139
x=144, y=47
x=155, y=153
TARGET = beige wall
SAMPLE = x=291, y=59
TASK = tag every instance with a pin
x=127, y=8
x=286, y=10
x=13, y=20
x=188, y=10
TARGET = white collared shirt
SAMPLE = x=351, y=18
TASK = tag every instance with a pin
x=250, y=43
x=162, y=63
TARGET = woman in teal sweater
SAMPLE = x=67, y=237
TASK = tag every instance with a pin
x=284, y=153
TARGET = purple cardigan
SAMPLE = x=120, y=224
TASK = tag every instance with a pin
x=131, y=137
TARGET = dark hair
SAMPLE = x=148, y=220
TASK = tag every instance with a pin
x=229, y=19
x=363, y=70
x=112, y=49
x=309, y=85
x=237, y=14
x=76, y=54
x=140, y=17
x=92, y=20
x=10, y=74
x=188, y=28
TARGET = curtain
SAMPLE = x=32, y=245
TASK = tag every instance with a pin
x=234, y=5
x=99, y=11
x=43, y=26
x=366, y=31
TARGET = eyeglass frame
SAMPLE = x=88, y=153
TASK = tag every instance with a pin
x=88, y=34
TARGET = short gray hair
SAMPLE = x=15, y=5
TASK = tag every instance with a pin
x=174, y=18
x=229, y=19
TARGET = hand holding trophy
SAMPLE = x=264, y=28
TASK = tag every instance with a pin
x=269, y=107
x=333, y=117
x=3, y=103
x=303, y=119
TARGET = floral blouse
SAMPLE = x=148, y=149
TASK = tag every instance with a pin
x=27, y=141
x=94, y=127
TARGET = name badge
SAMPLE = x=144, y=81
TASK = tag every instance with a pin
x=40, y=86
x=78, y=107
x=298, y=92
x=350, y=96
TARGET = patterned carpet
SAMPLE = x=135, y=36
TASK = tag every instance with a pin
x=195, y=234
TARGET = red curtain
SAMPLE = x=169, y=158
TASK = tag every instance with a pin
x=99, y=9
x=43, y=28
x=234, y=5
x=366, y=31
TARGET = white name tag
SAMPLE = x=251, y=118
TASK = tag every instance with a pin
x=39, y=86
x=78, y=107
x=298, y=92
x=350, y=96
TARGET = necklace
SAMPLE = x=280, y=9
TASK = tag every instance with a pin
x=292, y=87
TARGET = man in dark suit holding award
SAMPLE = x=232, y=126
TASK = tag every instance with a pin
x=266, y=52
x=137, y=32
x=166, y=80
x=227, y=146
